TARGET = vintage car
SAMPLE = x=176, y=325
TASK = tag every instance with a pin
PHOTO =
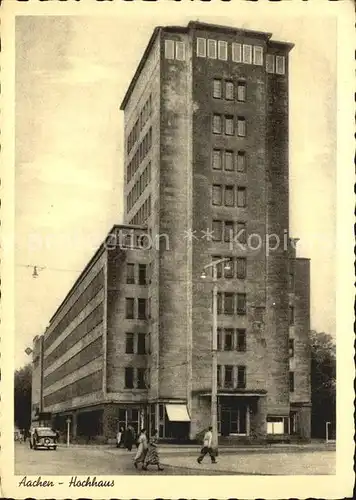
x=43, y=437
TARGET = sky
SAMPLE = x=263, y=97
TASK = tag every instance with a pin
x=71, y=76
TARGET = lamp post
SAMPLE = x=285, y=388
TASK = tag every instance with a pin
x=214, y=367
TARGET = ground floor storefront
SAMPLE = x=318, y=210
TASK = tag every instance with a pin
x=245, y=419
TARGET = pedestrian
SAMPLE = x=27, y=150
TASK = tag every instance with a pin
x=207, y=447
x=129, y=438
x=152, y=456
x=120, y=437
x=142, y=448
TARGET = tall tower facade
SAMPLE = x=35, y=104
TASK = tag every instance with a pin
x=206, y=169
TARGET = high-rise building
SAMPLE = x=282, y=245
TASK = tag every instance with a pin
x=206, y=177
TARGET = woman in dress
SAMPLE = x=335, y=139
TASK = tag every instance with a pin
x=152, y=457
x=120, y=438
x=142, y=448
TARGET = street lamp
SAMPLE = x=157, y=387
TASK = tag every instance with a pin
x=214, y=368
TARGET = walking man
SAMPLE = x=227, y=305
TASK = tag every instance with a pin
x=207, y=447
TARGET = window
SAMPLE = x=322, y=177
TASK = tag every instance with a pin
x=291, y=315
x=229, y=269
x=129, y=343
x=291, y=281
x=228, y=339
x=141, y=343
x=241, y=340
x=291, y=381
x=217, y=230
x=241, y=91
x=219, y=376
x=141, y=308
x=222, y=50
x=291, y=348
x=241, y=268
x=241, y=126
x=201, y=47
x=229, y=161
x=229, y=303
x=229, y=91
x=228, y=382
x=217, y=159
x=130, y=273
x=228, y=230
x=218, y=266
x=217, y=194
x=130, y=308
x=236, y=52
x=142, y=274
x=270, y=63
x=129, y=376
x=141, y=382
x=241, y=197
x=241, y=377
x=241, y=232
x=212, y=49
x=277, y=425
x=180, y=51
x=149, y=307
x=241, y=161
x=229, y=196
x=247, y=54
x=280, y=65
x=148, y=343
x=229, y=125
x=169, y=49
x=217, y=89
x=219, y=339
x=217, y=124
x=219, y=303
x=241, y=303
x=258, y=55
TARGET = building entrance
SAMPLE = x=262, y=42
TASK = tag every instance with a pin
x=233, y=418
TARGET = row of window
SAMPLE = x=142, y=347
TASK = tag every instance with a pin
x=140, y=155
x=231, y=303
x=275, y=64
x=137, y=308
x=228, y=124
x=228, y=230
x=229, y=196
x=139, y=187
x=136, y=378
x=143, y=213
x=174, y=50
x=137, y=343
x=229, y=160
x=232, y=377
x=139, y=124
x=230, y=339
x=140, y=278
x=236, y=267
x=225, y=89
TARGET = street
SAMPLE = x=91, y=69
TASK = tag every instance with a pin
x=108, y=460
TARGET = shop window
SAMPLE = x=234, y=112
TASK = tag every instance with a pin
x=276, y=425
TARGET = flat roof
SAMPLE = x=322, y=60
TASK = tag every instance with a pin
x=184, y=29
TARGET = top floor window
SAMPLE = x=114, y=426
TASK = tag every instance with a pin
x=280, y=65
x=212, y=49
x=236, y=52
x=201, y=47
x=270, y=63
x=222, y=50
x=258, y=55
x=169, y=49
x=180, y=51
x=247, y=54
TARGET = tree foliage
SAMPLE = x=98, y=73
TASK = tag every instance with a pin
x=22, y=402
x=323, y=382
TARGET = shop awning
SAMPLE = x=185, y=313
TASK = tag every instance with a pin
x=177, y=413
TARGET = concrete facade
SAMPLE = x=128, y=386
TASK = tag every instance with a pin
x=206, y=150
